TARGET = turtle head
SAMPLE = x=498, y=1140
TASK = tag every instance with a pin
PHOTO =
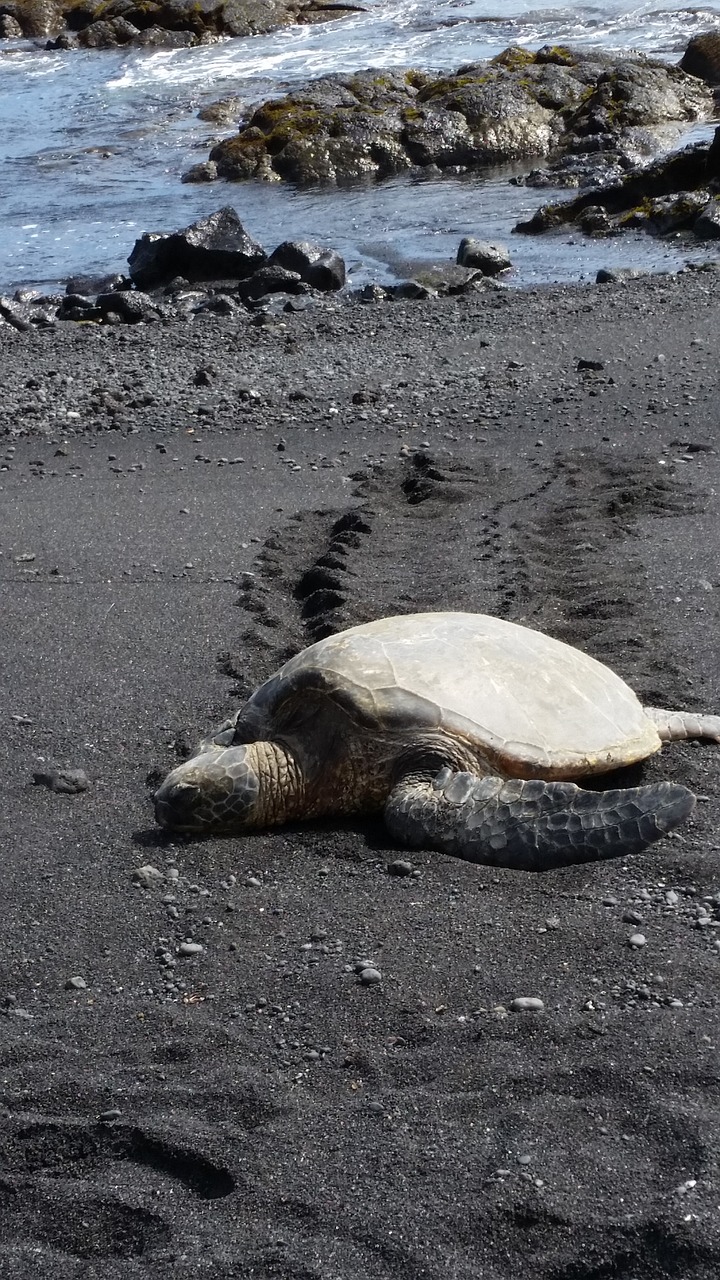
x=216, y=790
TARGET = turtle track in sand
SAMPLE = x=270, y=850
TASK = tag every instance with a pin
x=555, y=544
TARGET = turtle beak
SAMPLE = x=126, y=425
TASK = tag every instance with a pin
x=176, y=805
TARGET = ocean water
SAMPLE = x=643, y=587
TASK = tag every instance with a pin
x=93, y=143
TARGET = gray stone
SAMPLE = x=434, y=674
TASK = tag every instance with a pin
x=206, y=171
x=616, y=275
x=131, y=305
x=68, y=782
x=369, y=977
x=147, y=877
x=323, y=269
x=485, y=256
x=707, y=224
x=527, y=1004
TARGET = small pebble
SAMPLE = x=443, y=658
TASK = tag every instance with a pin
x=370, y=976
x=637, y=940
x=190, y=948
x=527, y=1004
x=75, y=984
x=400, y=868
x=632, y=917
x=106, y=1116
x=147, y=876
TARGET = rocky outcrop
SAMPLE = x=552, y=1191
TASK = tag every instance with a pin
x=679, y=192
x=520, y=104
x=104, y=24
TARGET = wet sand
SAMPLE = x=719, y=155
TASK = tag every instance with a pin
x=252, y=1110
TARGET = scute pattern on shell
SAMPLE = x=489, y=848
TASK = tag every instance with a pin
x=535, y=705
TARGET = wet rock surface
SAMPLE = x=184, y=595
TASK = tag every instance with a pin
x=88, y=24
x=214, y=248
x=679, y=193
x=519, y=104
x=196, y=1079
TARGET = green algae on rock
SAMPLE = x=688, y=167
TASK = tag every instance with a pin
x=375, y=124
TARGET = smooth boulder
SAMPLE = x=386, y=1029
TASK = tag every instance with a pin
x=489, y=258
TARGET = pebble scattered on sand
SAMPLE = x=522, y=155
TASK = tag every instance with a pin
x=147, y=877
x=637, y=940
x=400, y=867
x=527, y=1004
x=75, y=984
x=190, y=949
x=370, y=976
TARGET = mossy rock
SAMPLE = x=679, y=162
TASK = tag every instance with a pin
x=375, y=123
x=513, y=58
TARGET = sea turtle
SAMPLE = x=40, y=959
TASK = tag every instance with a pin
x=466, y=730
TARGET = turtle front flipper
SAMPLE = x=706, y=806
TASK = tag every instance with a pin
x=531, y=826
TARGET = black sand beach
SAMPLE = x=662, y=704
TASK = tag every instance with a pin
x=252, y=1110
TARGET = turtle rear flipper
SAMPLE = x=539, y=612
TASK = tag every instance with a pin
x=681, y=726
x=531, y=826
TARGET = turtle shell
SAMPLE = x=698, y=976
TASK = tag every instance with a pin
x=531, y=705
